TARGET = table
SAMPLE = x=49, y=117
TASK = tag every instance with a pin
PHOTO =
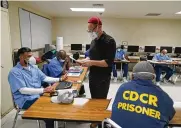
x=165, y=63
x=76, y=85
x=121, y=61
x=93, y=111
x=134, y=59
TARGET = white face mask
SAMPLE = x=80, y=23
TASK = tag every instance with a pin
x=119, y=50
x=62, y=60
x=93, y=35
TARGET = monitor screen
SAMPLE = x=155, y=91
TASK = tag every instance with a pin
x=87, y=46
x=177, y=50
x=76, y=46
x=132, y=48
x=169, y=49
x=150, y=49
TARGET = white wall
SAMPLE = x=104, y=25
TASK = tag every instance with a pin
x=15, y=24
x=136, y=31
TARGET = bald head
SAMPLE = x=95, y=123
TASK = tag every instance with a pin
x=164, y=51
x=61, y=55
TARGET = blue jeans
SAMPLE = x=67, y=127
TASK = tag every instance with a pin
x=159, y=69
x=124, y=67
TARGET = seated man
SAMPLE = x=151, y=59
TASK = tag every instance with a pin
x=59, y=64
x=162, y=57
x=25, y=81
x=120, y=55
x=141, y=104
x=50, y=54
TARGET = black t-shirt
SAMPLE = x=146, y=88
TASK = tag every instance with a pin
x=102, y=49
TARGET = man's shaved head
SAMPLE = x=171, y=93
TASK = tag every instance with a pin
x=164, y=51
x=61, y=54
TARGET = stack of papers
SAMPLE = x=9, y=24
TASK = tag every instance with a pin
x=80, y=101
x=177, y=104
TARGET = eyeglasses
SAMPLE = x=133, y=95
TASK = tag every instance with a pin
x=89, y=31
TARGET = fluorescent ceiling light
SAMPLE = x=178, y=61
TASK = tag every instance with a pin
x=178, y=12
x=88, y=9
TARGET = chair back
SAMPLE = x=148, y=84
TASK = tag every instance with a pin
x=108, y=123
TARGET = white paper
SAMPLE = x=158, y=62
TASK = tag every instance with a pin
x=80, y=101
x=64, y=90
x=72, y=58
x=73, y=74
x=177, y=104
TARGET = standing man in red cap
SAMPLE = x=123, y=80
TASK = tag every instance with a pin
x=100, y=60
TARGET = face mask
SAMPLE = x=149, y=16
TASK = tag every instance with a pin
x=62, y=60
x=119, y=50
x=161, y=54
x=93, y=35
x=144, y=75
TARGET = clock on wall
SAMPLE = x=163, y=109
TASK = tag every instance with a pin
x=4, y=4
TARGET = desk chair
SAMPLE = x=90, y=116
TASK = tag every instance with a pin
x=177, y=74
x=20, y=112
x=108, y=123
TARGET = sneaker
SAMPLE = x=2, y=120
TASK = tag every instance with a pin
x=125, y=80
x=115, y=79
x=158, y=83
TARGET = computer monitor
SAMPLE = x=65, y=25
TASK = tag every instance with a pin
x=76, y=47
x=169, y=49
x=177, y=50
x=132, y=48
x=87, y=46
x=150, y=49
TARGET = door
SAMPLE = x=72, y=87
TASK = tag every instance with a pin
x=6, y=63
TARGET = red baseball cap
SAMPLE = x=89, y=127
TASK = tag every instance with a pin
x=95, y=20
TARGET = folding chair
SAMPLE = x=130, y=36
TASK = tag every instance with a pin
x=20, y=112
x=108, y=123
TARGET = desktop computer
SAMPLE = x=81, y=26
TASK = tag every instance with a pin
x=87, y=46
x=177, y=50
x=76, y=47
x=169, y=49
x=150, y=49
x=133, y=48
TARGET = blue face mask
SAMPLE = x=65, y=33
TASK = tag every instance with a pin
x=119, y=49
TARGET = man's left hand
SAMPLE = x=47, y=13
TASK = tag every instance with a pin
x=87, y=63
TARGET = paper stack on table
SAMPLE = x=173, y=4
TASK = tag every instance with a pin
x=177, y=104
x=80, y=101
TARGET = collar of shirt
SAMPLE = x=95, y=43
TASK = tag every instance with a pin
x=21, y=67
x=143, y=82
x=101, y=37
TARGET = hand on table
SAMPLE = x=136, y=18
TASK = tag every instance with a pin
x=64, y=77
x=48, y=89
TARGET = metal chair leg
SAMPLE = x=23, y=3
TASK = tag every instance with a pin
x=39, y=125
x=55, y=124
x=15, y=119
x=64, y=126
